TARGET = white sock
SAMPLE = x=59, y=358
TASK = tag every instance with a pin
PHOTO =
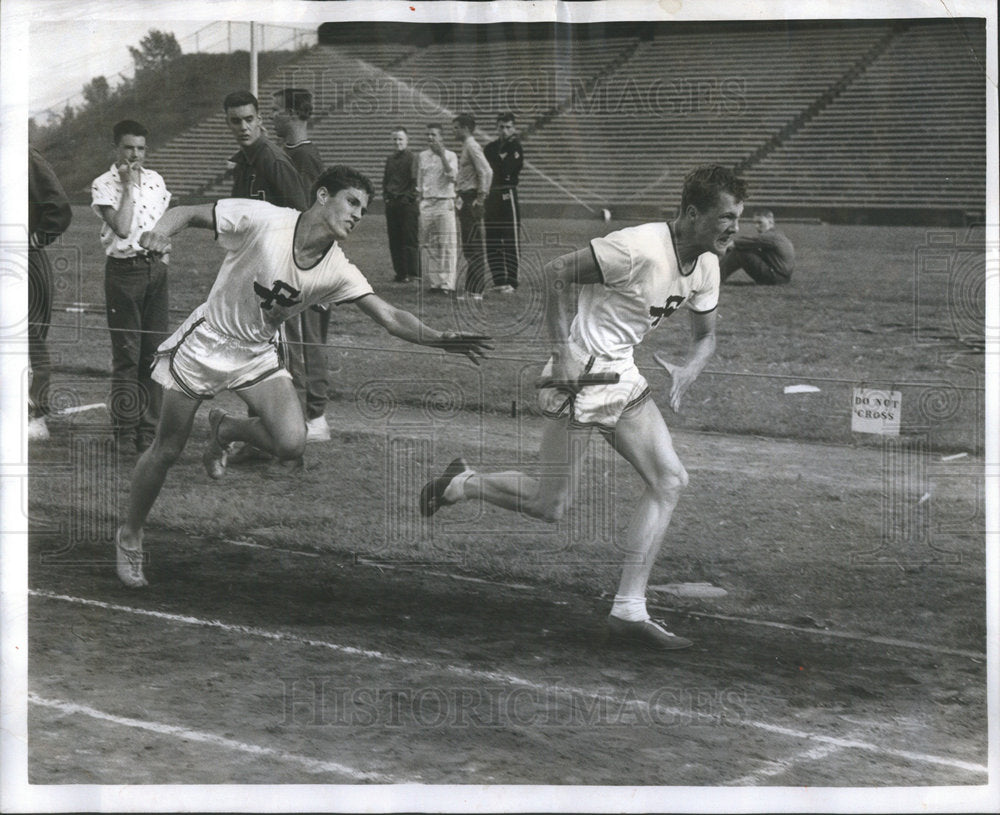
x=632, y=609
x=455, y=491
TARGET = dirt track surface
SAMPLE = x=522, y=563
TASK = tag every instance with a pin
x=246, y=662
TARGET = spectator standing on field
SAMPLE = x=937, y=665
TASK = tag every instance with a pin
x=437, y=171
x=130, y=199
x=293, y=108
x=767, y=257
x=402, y=212
x=307, y=333
x=261, y=169
x=473, y=184
x=49, y=215
x=503, y=214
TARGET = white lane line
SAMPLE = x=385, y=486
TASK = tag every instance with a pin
x=822, y=632
x=656, y=711
x=311, y=764
x=80, y=409
x=252, y=545
x=466, y=578
x=773, y=768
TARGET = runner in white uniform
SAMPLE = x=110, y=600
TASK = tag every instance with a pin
x=278, y=263
x=258, y=287
x=630, y=281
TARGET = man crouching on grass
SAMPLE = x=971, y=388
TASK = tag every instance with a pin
x=278, y=263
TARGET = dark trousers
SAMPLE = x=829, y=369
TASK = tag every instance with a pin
x=503, y=222
x=135, y=291
x=39, y=317
x=305, y=356
x=762, y=273
x=402, y=222
x=473, y=237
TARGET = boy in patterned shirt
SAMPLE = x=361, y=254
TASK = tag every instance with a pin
x=278, y=263
x=130, y=198
x=629, y=282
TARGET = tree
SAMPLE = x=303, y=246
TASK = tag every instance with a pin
x=156, y=50
x=97, y=92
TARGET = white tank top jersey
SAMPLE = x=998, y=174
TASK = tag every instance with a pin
x=643, y=285
x=259, y=285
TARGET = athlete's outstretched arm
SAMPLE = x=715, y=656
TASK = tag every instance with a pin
x=407, y=327
x=157, y=240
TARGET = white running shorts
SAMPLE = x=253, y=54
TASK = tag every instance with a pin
x=596, y=405
x=201, y=361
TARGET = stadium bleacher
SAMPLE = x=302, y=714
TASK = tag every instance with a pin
x=910, y=131
x=822, y=115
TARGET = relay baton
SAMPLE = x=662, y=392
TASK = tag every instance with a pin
x=582, y=381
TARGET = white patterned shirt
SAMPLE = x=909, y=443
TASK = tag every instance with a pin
x=150, y=198
x=643, y=285
x=259, y=284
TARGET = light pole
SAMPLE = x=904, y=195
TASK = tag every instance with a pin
x=253, y=59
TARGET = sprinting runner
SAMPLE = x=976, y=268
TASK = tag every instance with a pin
x=279, y=262
x=629, y=282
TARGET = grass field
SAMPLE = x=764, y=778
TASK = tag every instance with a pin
x=899, y=308
x=847, y=650
x=398, y=412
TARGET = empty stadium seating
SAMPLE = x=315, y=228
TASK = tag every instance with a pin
x=866, y=114
x=910, y=131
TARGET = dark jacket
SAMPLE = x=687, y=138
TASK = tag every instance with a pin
x=505, y=160
x=49, y=212
x=264, y=172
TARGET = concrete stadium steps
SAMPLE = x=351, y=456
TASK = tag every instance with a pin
x=680, y=101
x=910, y=131
x=435, y=83
x=619, y=121
x=195, y=162
x=528, y=78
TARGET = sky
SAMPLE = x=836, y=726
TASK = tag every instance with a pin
x=66, y=55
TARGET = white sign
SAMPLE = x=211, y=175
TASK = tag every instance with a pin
x=875, y=411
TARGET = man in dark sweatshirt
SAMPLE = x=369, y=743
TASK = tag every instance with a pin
x=49, y=215
x=768, y=257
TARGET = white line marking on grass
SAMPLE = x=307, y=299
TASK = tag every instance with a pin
x=773, y=768
x=80, y=409
x=271, y=548
x=656, y=712
x=822, y=632
x=848, y=635
x=404, y=568
x=310, y=764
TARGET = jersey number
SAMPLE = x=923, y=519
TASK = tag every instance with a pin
x=673, y=303
x=268, y=297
